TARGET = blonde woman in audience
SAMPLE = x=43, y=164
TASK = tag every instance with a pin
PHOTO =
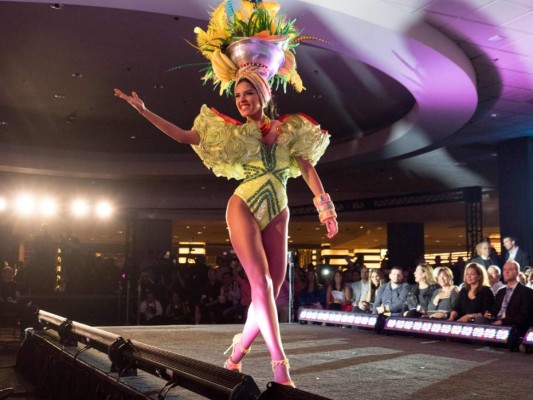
x=530, y=281
x=367, y=300
x=444, y=298
x=420, y=294
x=522, y=278
x=475, y=297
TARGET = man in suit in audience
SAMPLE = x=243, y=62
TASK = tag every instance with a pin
x=391, y=296
x=515, y=253
x=512, y=305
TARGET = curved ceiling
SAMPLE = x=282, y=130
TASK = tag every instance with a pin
x=383, y=90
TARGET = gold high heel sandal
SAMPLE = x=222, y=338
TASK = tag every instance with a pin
x=229, y=363
x=284, y=362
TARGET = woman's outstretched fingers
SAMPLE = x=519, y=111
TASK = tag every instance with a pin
x=332, y=227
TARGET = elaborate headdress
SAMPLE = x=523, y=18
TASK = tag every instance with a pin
x=255, y=43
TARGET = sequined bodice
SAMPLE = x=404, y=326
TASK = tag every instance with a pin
x=264, y=186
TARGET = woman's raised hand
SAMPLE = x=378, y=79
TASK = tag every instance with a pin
x=331, y=226
x=134, y=100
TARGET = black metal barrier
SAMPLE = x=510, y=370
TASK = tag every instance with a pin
x=127, y=356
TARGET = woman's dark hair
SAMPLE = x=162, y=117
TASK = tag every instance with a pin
x=271, y=109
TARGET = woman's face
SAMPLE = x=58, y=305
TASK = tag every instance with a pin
x=471, y=276
x=420, y=275
x=338, y=277
x=375, y=278
x=443, y=279
x=247, y=100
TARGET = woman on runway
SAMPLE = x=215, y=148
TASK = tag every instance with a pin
x=262, y=152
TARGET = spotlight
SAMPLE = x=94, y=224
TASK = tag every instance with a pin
x=25, y=205
x=79, y=208
x=48, y=206
x=3, y=204
x=104, y=209
x=325, y=272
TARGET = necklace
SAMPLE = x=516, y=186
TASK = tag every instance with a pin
x=265, y=126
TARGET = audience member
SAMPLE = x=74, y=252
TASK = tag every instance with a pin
x=361, y=287
x=176, y=311
x=522, y=278
x=391, y=296
x=513, y=304
x=483, y=255
x=230, y=292
x=420, y=294
x=530, y=281
x=515, y=253
x=338, y=294
x=313, y=296
x=368, y=298
x=495, y=275
x=151, y=311
x=237, y=313
x=475, y=297
x=445, y=297
x=208, y=310
x=458, y=270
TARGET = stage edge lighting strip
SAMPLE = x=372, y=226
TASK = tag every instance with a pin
x=338, y=317
x=490, y=333
x=528, y=338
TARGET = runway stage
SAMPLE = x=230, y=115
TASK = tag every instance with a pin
x=343, y=363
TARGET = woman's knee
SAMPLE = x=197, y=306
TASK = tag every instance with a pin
x=261, y=285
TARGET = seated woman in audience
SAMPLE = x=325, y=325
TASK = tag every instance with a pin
x=313, y=296
x=475, y=297
x=367, y=298
x=420, y=294
x=338, y=294
x=444, y=298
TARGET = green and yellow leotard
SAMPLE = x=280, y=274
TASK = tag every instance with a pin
x=235, y=150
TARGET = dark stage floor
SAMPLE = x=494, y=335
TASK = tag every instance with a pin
x=342, y=363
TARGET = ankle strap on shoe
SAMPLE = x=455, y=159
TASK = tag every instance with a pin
x=241, y=348
x=276, y=363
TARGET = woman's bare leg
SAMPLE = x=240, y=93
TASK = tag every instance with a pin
x=274, y=238
x=263, y=256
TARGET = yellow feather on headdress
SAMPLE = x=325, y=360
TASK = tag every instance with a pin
x=296, y=81
x=246, y=10
x=217, y=31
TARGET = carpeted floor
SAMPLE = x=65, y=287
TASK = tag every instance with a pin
x=342, y=363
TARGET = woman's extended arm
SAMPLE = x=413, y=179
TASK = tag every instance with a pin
x=169, y=129
x=313, y=181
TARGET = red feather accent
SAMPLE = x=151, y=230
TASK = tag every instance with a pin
x=226, y=118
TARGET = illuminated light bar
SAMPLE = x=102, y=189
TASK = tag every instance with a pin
x=528, y=338
x=485, y=333
x=338, y=317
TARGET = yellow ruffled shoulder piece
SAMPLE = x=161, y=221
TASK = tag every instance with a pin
x=224, y=145
x=304, y=138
